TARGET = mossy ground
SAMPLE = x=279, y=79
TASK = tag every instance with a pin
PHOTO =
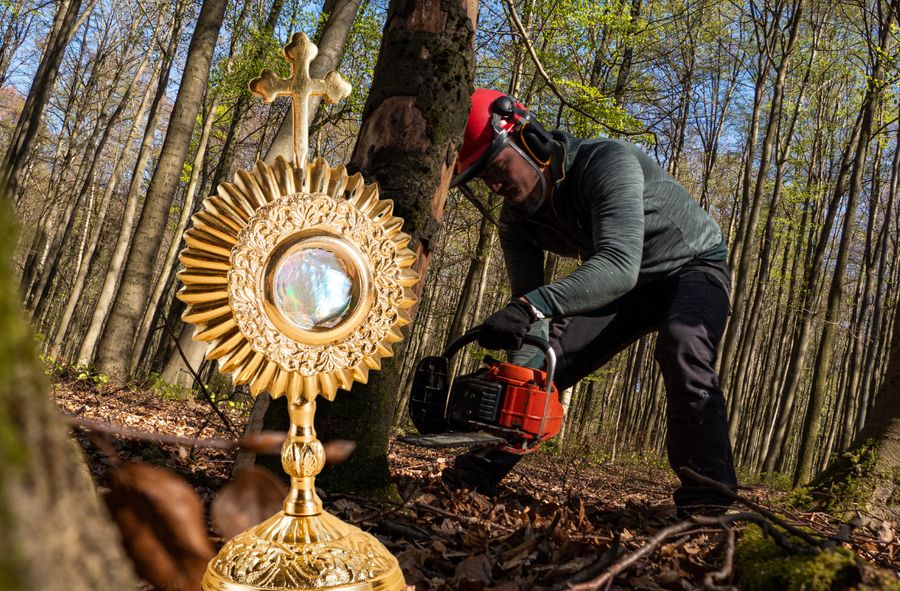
x=762, y=565
x=845, y=486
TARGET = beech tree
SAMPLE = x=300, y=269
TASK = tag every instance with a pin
x=55, y=534
x=412, y=127
x=115, y=348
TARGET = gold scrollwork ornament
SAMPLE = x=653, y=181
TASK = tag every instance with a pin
x=299, y=277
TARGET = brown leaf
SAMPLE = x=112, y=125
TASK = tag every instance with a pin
x=264, y=442
x=411, y=562
x=253, y=495
x=886, y=532
x=473, y=573
x=338, y=450
x=162, y=525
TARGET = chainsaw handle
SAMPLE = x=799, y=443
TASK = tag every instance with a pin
x=472, y=336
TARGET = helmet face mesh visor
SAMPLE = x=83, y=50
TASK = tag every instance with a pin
x=499, y=141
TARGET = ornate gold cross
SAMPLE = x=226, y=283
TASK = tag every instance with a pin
x=300, y=87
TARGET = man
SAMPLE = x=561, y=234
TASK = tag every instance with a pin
x=651, y=261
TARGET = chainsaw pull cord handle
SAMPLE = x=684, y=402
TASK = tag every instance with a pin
x=549, y=354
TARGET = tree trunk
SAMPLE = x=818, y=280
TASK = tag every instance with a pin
x=813, y=417
x=74, y=295
x=331, y=46
x=168, y=265
x=55, y=534
x=412, y=126
x=224, y=170
x=868, y=476
x=65, y=24
x=118, y=338
x=471, y=287
x=109, y=289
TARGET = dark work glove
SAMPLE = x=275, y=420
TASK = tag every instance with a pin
x=506, y=328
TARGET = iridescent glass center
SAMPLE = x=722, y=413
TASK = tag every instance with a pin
x=313, y=288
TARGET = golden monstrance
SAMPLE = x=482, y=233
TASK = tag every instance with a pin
x=298, y=277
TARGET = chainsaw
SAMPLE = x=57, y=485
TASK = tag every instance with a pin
x=508, y=406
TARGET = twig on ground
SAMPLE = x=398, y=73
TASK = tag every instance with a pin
x=684, y=527
x=724, y=573
x=204, y=389
x=794, y=531
x=89, y=425
x=465, y=519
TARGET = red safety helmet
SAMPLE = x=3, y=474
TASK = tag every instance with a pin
x=493, y=120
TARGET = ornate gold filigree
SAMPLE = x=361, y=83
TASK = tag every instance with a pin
x=230, y=252
x=237, y=251
x=285, y=554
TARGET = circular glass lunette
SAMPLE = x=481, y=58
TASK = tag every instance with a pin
x=317, y=287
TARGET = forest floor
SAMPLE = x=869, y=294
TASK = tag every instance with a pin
x=560, y=519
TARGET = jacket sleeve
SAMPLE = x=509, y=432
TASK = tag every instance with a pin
x=613, y=184
x=524, y=260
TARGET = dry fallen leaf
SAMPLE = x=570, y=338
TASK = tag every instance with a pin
x=264, y=442
x=162, y=525
x=473, y=573
x=253, y=495
x=338, y=450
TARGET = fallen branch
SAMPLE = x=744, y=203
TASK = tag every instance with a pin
x=724, y=573
x=794, y=531
x=264, y=442
x=723, y=522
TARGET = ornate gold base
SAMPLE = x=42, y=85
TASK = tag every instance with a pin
x=293, y=553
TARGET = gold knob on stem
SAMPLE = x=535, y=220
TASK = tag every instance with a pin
x=302, y=457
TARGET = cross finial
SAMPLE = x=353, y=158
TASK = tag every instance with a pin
x=300, y=87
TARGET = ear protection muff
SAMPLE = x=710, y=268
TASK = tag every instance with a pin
x=531, y=135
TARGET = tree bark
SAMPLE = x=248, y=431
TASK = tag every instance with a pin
x=331, y=44
x=65, y=24
x=111, y=279
x=813, y=417
x=55, y=534
x=412, y=127
x=118, y=338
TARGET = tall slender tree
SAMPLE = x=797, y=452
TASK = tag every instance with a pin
x=114, y=353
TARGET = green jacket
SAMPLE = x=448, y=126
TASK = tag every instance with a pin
x=614, y=208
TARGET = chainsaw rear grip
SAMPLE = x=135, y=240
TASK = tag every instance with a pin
x=472, y=336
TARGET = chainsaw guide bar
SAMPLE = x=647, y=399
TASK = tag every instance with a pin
x=444, y=440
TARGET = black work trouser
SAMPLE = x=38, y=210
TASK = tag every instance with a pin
x=688, y=312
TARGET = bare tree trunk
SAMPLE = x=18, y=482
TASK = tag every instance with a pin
x=77, y=288
x=224, y=170
x=412, y=125
x=471, y=287
x=823, y=360
x=110, y=285
x=115, y=348
x=64, y=26
x=872, y=338
x=331, y=46
x=106, y=124
x=168, y=265
x=804, y=329
x=872, y=465
x=55, y=535
x=743, y=252
x=627, y=56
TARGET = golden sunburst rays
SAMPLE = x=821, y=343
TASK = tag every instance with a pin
x=299, y=279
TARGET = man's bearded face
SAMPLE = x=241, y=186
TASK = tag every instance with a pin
x=516, y=179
